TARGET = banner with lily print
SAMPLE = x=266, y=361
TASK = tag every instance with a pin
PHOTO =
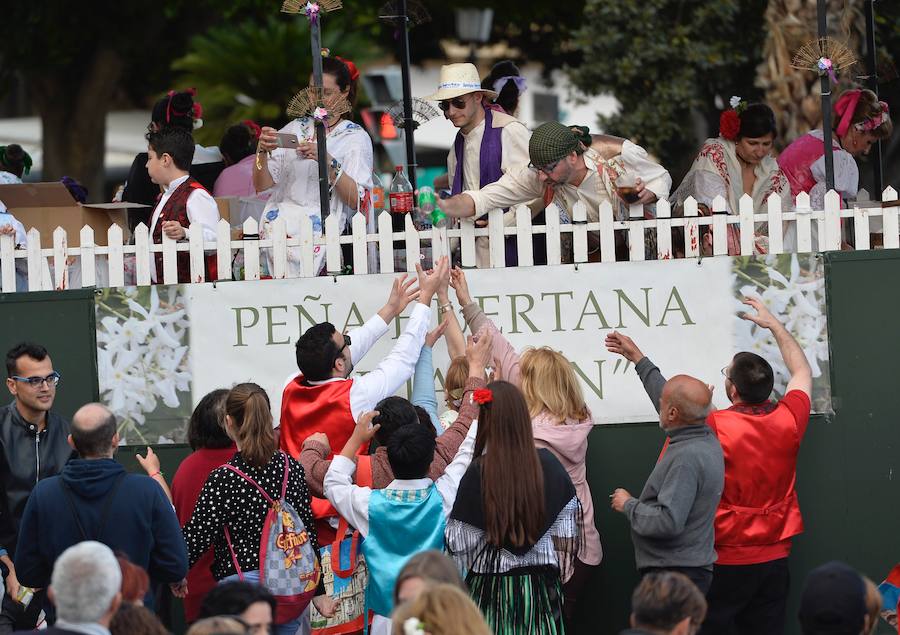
x=161, y=348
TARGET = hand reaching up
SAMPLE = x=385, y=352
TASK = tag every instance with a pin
x=461, y=286
x=430, y=282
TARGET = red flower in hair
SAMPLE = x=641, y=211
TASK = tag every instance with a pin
x=483, y=396
x=729, y=125
x=254, y=128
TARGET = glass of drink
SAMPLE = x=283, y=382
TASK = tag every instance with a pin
x=626, y=188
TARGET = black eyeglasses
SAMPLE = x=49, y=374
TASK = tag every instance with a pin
x=457, y=102
x=547, y=169
x=52, y=379
x=725, y=372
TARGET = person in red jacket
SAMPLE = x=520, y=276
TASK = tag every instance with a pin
x=759, y=513
x=212, y=448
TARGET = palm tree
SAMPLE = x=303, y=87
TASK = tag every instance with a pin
x=251, y=70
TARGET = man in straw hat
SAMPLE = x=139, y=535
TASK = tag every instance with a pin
x=488, y=145
x=562, y=170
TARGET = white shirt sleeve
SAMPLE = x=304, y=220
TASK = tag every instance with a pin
x=515, y=137
x=365, y=336
x=394, y=369
x=655, y=177
x=202, y=211
x=846, y=175
x=351, y=501
x=448, y=483
x=519, y=185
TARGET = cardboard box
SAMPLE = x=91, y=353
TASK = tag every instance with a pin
x=46, y=206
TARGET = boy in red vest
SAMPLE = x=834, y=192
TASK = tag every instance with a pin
x=758, y=514
x=184, y=204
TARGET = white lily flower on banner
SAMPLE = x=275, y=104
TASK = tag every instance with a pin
x=142, y=357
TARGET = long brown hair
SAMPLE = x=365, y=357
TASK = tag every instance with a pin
x=251, y=414
x=512, y=481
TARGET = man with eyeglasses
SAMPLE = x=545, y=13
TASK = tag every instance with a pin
x=33, y=447
x=488, y=145
x=562, y=170
x=759, y=513
x=323, y=397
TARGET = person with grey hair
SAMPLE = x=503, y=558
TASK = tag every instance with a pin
x=84, y=588
x=672, y=521
x=96, y=499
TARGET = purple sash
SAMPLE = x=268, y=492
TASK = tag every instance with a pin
x=489, y=158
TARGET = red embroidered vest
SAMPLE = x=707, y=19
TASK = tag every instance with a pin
x=759, y=503
x=308, y=409
x=176, y=209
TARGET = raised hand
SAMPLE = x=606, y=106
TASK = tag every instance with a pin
x=150, y=463
x=763, y=316
x=437, y=332
x=461, y=286
x=402, y=293
x=624, y=346
x=429, y=282
x=478, y=351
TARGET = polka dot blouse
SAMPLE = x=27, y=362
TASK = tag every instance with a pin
x=228, y=499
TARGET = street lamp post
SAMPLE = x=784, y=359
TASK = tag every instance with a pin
x=473, y=26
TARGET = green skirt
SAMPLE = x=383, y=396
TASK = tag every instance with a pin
x=521, y=602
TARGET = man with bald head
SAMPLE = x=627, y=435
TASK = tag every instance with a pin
x=94, y=498
x=672, y=520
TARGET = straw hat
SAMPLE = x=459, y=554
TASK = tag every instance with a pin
x=459, y=79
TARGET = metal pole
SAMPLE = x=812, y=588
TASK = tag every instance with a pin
x=872, y=68
x=408, y=122
x=322, y=152
x=825, y=83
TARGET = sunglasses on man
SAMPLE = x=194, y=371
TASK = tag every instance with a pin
x=347, y=343
x=457, y=102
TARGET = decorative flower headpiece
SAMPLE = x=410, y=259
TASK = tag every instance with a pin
x=871, y=123
x=196, y=111
x=310, y=9
x=730, y=120
x=413, y=626
x=483, y=396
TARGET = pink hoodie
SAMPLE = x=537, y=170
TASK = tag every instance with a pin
x=568, y=441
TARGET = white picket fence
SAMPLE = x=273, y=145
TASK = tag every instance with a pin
x=52, y=268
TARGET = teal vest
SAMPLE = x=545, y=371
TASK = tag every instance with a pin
x=401, y=524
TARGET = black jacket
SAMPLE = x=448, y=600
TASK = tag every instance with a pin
x=25, y=458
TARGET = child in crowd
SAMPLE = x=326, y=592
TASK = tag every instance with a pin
x=184, y=202
x=14, y=164
x=405, y=518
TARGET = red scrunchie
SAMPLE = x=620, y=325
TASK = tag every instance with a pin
x=483, y=396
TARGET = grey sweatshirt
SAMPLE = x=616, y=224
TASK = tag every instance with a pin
x=672, y=521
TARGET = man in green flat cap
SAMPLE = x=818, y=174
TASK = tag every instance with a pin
x=562, y=170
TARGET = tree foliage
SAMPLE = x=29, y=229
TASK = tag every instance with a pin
x=252, y=69
x=671, y=64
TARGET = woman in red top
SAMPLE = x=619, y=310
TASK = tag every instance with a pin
x=212, y=448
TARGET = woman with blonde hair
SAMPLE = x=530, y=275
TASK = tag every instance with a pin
x=233, y=505
x=561, y=423
x=441, y=609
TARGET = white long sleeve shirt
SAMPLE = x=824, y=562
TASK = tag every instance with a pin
x=202, y=210
x=392, y=371
x=352, y=501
